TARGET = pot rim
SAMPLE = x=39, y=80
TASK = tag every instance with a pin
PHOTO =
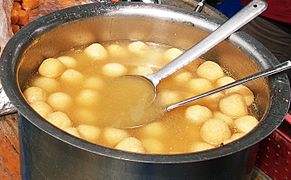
x=279, y=84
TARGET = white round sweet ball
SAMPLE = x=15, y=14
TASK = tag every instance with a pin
x=114, y=69
x=142, y=70
x=215, y=131
x=89, y=133
x=219, y=115
x=223, y=81
x=200, y=146
x=112, y=136
x=59, y=119
x=68, y=61
x=51, y=68
x=198, y=114
x=171, y=54
x=246, y=123
x=200, y=85
x=244, y=91
x=33, y=94
x=116, y=51
x=233, y=105
x=85, y=116
x=155, y=130
x=93, y=82
x=72, y=77
x=42, y=108
x=166, y=97
x=153, y=146
x=96, y=52
x=183, y=77
x=210, y=70
x=73, y=131
x=60, y=101
x=130, y=144
x=138, y=47
x=48, y=84
x=87, y=97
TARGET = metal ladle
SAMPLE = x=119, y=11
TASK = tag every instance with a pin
x=249, y=12
x=274, y=70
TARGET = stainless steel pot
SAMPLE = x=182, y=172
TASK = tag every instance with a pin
x=49, y=153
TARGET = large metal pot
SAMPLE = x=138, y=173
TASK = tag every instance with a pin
x=49, y=153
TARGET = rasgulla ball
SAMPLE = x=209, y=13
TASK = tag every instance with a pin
x=233, y=105
x=47, y=84
x=93, y=82
x=114, y=69
x=87, y=97
x=223, y=81
x=116, y=51
x=42, y=108
x=59, y=119
x=112, y=136
x=244, y=91
x=171, y=54
x=197, y=114
x=33, y=94
x=51, y=68
x=167, y=97
x=138, y=47
x=60, y=101
x=142, y=70
x=200, y=146
x=96, y=51
x=89, y=133
x=218, y=115
x=155, y=129
x=85, y=116
x=183, y=77
x=130, y=144
x=68, y=61
x=73, y=131
x=200, y=85
x=153, y=146
x=72, y=77
x=245, y=124
x=215, y=131
x=210, y=70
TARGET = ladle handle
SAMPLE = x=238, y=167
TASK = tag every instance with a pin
x=276, y=69
x=249, y=12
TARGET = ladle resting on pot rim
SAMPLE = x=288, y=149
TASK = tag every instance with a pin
x=139, y=92
x=153, y=110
